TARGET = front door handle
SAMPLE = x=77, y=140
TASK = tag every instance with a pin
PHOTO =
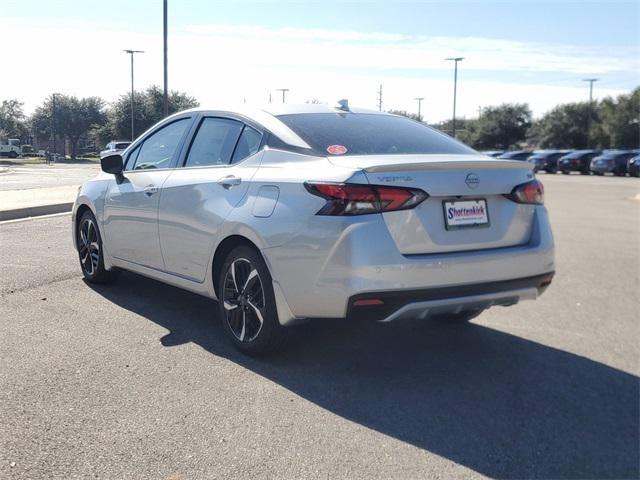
x=229, y=181
x=150, y=190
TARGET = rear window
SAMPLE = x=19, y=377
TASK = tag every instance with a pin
x=578, y=154
x=339, y=134
x=122, y=146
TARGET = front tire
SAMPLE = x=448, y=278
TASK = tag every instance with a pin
x=90, y=251
x=247, y=303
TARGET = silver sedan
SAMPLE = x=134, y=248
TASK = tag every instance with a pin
x=293, y=213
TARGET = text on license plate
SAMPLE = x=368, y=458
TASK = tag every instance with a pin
x=465, y=213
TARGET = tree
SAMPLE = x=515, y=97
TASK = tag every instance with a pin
x=619, y=121
x=464, y=129
x=74, y=117
x=404, y=113
x=148, y=110
x=566, y=126
x=12, y=120
x=500, y=127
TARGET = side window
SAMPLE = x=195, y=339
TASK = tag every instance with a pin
x=130, y=160
x=158, y=149
x=248, y=144
x=213, y=143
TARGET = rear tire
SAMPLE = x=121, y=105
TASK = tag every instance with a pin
x=564, y=172
x=90, y=251
x=247, y=303
x=462, y=317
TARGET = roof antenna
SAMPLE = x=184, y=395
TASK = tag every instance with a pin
x=343, y=105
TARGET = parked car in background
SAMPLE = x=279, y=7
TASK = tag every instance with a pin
x=612, y=161
x=516, y=155
x=273, y=212
x=114, y=147
x=493, y=153
x=633, y=166
x=577, y=161
x=546, y=160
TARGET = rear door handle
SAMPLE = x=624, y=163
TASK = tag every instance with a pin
x=230, y=181
x=150, y=190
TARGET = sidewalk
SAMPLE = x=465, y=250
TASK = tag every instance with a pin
x=36, y=201
x=30, y=190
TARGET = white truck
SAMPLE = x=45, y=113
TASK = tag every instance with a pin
x=11, y=149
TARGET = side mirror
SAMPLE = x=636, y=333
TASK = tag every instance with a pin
x=112, y=164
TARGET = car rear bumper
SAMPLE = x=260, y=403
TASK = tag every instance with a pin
x=602, y=168
x=572, y=167
x=322, y=269
x=388, y=306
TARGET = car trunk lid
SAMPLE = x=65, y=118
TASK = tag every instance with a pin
x=471, y=179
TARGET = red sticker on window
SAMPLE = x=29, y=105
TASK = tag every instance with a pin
x=337, y=149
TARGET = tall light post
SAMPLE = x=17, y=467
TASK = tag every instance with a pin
x=131, y=53
x=419, y=99
x=283, y=90
x=591, y=82
x=166, y=70
x=53, y=123
x=455, y=60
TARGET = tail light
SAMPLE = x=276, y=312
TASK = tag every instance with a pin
x=530, y=192
x=357, y=199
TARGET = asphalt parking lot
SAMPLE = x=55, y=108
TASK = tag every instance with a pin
x=21, y=177
x=135, y=379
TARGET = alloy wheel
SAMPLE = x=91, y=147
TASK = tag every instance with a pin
x=243, y=300
x=88, y=247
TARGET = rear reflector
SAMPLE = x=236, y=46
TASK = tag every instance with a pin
x=368, y=302
x=358, y=199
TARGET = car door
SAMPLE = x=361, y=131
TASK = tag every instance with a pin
x=196, y=198
x=131, y=205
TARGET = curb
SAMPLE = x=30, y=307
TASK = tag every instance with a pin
x=35, y=211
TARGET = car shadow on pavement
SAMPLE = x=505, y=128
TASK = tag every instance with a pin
x=496, y=403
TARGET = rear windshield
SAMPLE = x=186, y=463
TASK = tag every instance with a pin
x=516, y=155
x=578, y=153
x=339, y=134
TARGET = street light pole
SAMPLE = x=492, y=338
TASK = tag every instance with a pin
x=166, y=71
x=455, y=88
x=283, y=90
x=419, y=99
x=131, y=53
x=53, y=123
x=591, y=82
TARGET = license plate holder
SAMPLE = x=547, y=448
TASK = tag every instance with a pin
x=468, y=213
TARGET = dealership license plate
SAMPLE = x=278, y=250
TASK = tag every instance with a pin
x=466, y=213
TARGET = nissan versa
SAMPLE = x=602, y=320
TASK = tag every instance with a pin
x=293, y=213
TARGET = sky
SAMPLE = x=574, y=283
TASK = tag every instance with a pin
x=225, y=52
